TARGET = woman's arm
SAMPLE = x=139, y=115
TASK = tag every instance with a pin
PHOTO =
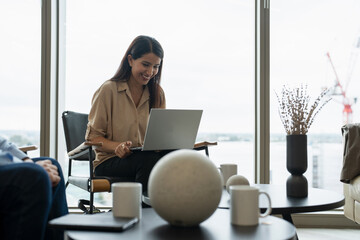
x=121, y=149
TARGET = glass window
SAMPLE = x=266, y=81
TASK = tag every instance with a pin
x=20, y=61
x=303, y=41
x=208, y=63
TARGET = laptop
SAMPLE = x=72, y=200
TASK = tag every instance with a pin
x=170, y=129
x=93, y=222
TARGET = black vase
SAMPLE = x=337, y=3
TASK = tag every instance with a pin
x=296, y=164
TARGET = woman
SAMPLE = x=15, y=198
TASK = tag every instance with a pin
x=120, y=111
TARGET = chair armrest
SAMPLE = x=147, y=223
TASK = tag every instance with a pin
x=97, y=144
x=28, y=148
x=204, y=144
x=83, y=146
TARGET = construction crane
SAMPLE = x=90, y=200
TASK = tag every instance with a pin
x=338, y=88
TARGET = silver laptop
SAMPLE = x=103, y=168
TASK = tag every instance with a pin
x=170, y=129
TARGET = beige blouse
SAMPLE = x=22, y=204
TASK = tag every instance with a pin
x=113, y=115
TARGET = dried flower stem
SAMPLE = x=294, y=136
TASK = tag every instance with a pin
x=293, y=109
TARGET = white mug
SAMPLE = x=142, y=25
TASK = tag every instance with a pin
x=244, y=205
x=227, y=170
x=126, y=199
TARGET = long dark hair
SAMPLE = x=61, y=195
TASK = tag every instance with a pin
x=142, y=45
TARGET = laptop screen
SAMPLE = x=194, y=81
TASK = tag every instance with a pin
x=170, y=129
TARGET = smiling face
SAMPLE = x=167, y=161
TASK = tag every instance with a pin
x=144, y=68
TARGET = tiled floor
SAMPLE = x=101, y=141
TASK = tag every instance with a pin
x=327, y=234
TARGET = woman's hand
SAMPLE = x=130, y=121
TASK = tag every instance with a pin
x=123, y=149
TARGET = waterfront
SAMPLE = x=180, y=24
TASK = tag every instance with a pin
x=325, y=173
x=324, y=159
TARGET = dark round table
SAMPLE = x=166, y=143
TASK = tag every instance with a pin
x=317, y=200
x=218, y=226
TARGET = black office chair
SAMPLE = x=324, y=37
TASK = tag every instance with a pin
x=79, y=150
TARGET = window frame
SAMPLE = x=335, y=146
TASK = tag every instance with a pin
x=49, y=78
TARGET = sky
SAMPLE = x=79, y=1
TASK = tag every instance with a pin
x=298, y=53
x=209, y=55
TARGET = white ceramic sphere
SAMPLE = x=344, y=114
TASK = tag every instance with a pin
x=185, y=187
x=236, y=180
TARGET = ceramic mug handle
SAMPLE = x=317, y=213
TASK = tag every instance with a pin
x=268, y=210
